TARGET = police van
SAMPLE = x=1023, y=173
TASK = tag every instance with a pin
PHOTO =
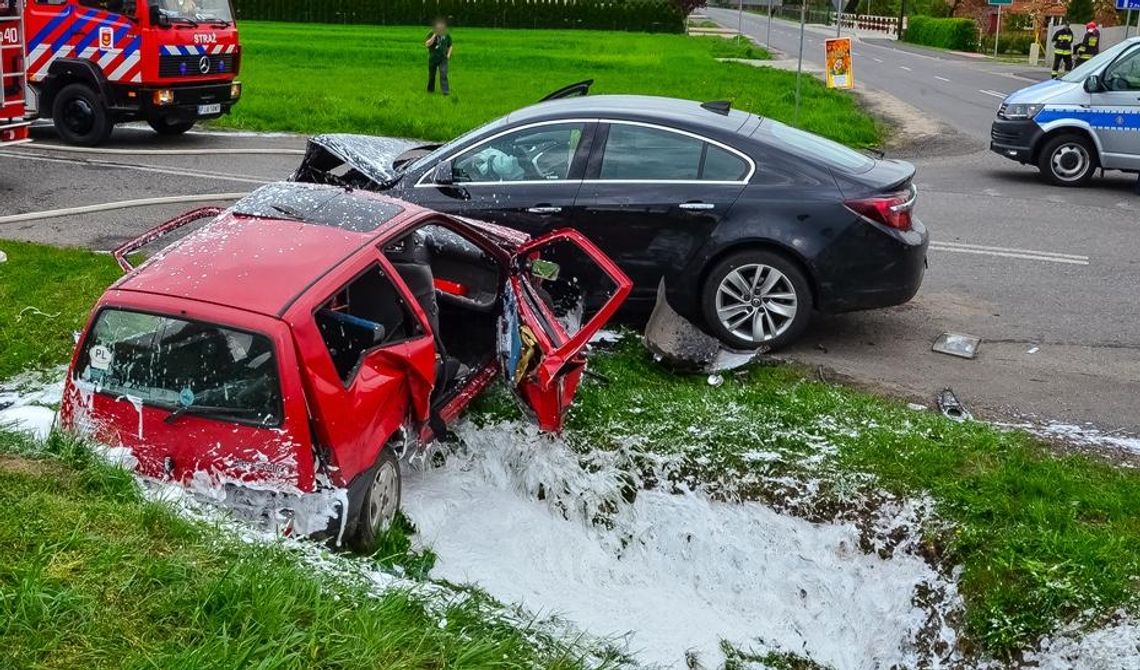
x=1070, y=127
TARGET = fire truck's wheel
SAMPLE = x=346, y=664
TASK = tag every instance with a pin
x=165, y=127
x=379, y=504
x=80, y=117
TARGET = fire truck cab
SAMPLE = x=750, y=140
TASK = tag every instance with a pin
x=93, y=63
x=13, y=125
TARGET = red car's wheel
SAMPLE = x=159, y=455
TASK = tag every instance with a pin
x=380, y=500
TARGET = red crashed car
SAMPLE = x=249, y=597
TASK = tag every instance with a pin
x=291, y=350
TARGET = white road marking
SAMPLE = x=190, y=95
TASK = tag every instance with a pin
x=903, y=67
x=199, y=174
x=992, y=93
x=1007, y=252
x=941, y=78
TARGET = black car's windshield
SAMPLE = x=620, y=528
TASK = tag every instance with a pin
x=188, y=366
x=218, y=11
x=452, y=146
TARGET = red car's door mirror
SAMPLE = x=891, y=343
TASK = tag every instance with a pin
x=564, y=291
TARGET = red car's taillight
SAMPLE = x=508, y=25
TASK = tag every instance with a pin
x=893, y=210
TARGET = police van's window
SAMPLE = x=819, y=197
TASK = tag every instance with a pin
x=188, y=366
x=366, y=313
x=824, y=150
x=1124, y=74
x=1082, y=71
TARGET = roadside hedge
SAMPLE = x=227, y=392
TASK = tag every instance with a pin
x=956, y=34
x=1017, y=44
x=633, y=15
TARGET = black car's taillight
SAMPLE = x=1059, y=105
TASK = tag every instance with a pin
x=892, y=210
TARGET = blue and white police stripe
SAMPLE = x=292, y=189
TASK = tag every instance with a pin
x=1121, y=118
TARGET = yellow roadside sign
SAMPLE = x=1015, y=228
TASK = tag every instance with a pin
x=839, y=71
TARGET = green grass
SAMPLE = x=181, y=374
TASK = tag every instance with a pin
x=372, y=79
x=93, y=576
x=44, y=297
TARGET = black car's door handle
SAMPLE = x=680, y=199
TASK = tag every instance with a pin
x=544, y=209
x=692, y=206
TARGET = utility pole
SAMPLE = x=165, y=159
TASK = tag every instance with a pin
x=800, y=65
x=902, y=18
x=838, y=16
x=768, y=40
x=997, y=31
x=740, y=18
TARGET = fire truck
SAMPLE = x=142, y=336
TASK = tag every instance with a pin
x=13, y=125
x=91, y=64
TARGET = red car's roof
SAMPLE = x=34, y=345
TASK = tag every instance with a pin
x=252, y=263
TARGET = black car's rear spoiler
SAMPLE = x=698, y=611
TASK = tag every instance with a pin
x=577, y=90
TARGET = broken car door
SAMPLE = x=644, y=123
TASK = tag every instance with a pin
x=371, y=361
x=549, y=316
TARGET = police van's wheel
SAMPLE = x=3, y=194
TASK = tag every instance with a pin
x=756, y=298
x=380, y=500
x=80, y=117
x=1068, y=160
x=165, y=127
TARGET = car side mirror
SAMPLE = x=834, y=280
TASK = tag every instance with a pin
x=378, y=334
x=1093, y=83
x=444, y=173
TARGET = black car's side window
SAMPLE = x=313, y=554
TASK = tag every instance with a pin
x=644, y=153
x=540, y=153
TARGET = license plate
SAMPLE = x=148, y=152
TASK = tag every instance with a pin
x=210, y=109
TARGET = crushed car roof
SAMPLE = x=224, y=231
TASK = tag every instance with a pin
x=249, y=259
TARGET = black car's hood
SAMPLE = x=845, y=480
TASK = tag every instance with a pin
x=371, y=162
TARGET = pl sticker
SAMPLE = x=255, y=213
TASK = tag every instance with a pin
x=101, y=357
x=186, y=397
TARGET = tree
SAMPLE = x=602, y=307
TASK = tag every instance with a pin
x=1079, y=11
x=687, y=6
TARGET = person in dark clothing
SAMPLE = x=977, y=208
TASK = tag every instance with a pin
x=438, y=44
x=1062, y=50
x=1090, y=43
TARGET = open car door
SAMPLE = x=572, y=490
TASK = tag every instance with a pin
x=563, y=290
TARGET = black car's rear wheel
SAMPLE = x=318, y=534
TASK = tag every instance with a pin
x=756, y=298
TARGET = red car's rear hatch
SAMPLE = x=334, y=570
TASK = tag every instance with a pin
x=195, y=392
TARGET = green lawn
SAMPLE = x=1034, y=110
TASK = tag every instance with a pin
x=1041, y=537
x=372, y=79
x=44, y=297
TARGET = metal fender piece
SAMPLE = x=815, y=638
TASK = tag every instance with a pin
x=675, y=340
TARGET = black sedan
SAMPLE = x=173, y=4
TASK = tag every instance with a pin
x=751, y=224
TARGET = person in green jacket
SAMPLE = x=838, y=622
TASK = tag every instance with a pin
x=438, y=44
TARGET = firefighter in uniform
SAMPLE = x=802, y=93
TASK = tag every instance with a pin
x=1062, y=50
x=1090, y=43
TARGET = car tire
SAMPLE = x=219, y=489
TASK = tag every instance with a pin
x=745, y=306
x=165, y=127
x=1068, y=160
x=380, y=500
x=80, y=117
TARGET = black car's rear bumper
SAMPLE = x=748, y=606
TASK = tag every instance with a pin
x=870, y=266
x=1015, y=140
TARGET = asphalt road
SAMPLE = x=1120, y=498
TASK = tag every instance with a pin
x=1047, y=277
x=1028, y=268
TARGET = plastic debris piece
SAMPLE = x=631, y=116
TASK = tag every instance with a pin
x=3, y=257
x=715, y=380
x=1032, y=350
x=674, y=340
x=951, y=407
x=957, y=344
x=916, y=407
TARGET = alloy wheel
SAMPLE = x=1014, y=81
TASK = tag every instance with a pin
x=756, y=302
x=384, y=496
